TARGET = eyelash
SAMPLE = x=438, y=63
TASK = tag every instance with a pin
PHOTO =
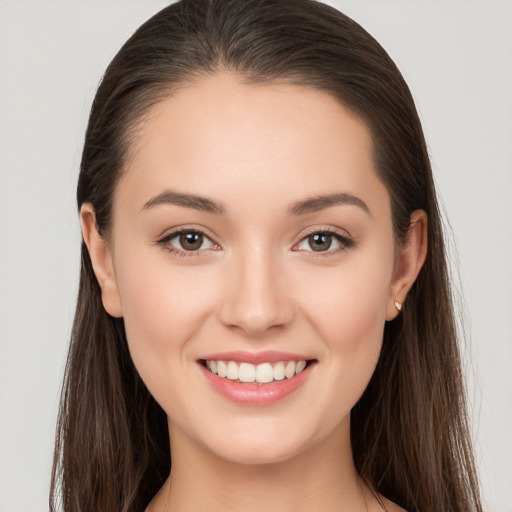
x=345, y=242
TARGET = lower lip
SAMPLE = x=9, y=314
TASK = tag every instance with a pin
x=253, y=393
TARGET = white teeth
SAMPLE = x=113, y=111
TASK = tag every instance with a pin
x=279, y=371
x=264, y=373
x=300, y=366
x=247, y=372
x=232, y=371
x=289, y=371
x=261, y=373
x=221, y=369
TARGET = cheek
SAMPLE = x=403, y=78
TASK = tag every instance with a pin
x=349, y=317
x=162, y=309
x=352, y=302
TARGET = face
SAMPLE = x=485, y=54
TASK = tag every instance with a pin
x=222, y=251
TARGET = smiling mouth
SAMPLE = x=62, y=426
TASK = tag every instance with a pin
x=256, y=374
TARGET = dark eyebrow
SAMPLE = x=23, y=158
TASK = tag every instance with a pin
x=187, y=200
x=318, y=203
x=310, y=205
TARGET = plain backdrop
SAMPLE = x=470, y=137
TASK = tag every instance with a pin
x=456, y=57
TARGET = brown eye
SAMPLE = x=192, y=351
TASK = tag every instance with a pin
x=191, y=241
x=325, y=243
x=186, y=242
x=320, y=241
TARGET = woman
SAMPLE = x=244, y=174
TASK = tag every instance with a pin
x=264, y=296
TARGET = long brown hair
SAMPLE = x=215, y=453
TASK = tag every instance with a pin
x=409, y=430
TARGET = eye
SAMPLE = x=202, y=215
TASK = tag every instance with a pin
x=186, y=242
x=325, y=241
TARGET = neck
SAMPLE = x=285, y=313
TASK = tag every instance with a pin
x=321, y=478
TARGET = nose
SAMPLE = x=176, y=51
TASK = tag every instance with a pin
x=256, y=300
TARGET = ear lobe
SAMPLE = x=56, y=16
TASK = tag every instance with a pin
x=410, y=260
x=101, y=259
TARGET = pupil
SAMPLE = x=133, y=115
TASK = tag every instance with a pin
x=320, y=242
x=191, y=241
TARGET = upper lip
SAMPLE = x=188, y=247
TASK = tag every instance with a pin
x=268, y=356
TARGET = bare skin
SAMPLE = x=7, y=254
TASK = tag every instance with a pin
x=255, y=282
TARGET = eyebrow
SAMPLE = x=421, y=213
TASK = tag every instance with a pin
x=309, y=205
x=188, y=201
x=319, y=203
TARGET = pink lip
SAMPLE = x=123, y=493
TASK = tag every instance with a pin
x=270, y=356
x=253, y=393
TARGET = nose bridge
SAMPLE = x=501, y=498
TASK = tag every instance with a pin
x=256, y=299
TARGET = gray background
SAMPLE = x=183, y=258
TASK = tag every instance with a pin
x=457, y=59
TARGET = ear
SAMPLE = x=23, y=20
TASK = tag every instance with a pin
x=102, y=263
x=410, y=259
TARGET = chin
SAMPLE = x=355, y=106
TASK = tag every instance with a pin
x=259, y=446
x=257, y=454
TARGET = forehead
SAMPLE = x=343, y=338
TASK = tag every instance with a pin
x=219, y=135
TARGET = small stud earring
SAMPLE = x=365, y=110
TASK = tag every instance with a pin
x=398, y=306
